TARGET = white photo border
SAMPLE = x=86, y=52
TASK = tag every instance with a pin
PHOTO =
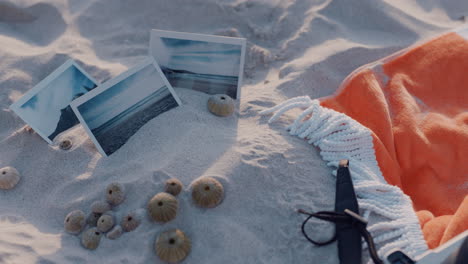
x=41, y=85
x=109, y=84
x=207, y=38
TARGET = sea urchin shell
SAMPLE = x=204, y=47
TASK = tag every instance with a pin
x=115, y=233
x=91, y=238
x=115, y=193
x=75, y=221
x=207, y=192
x=92, y=219
x=163, y=207
x=100, y=207
x=105, y=222
x=173, y=186
x=172, y=246
x=131, y=221
x=221, y=105
x=9, y=177
x=65, y=144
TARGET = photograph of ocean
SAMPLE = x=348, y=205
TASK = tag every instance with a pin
x=116, y=114
x=204, y=66
x=46, y=108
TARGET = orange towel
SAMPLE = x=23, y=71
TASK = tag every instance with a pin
x=415, y=106
x=418, y=112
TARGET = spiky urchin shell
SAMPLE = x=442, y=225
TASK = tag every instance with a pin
x=66, y=144
x=115, y=193
x=9, y=177
x=173, y=186
x=100, y=207
x=163, y=207
x=75, y=221
x=105, y=222
x=92, y=219
x=130, y=221
x=173, y=246
x=221, y=105
x=115, y=233
x=91, y=238
x=207, y=192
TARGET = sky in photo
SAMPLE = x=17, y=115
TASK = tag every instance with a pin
x=43, y=110
x=118, y=98
x=197, y=56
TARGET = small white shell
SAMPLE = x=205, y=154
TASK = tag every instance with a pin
x=91, y=238
x=9, y=177
x=105, y=222
x=207, y=192
x=173, y=246
x=163, y=207
x=221, y=105
x=100, y=207
x=132, y=220
x=115, y=233
x=115, y=193
x=173, y=186
x=75, y=221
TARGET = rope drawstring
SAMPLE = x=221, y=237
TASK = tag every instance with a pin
x=348, y=216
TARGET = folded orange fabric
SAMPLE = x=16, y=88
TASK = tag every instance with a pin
x=417, y=109
x=414, y=107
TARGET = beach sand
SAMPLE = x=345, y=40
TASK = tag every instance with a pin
x=294, y=48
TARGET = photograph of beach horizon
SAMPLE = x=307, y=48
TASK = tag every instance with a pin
x=46, y=107
x=117, y=113
x=209, y=67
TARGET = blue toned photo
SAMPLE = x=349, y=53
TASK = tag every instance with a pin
x=115, y=111
x=208, y=64
x=46, y=108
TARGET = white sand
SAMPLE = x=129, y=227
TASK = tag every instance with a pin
x=295, y=48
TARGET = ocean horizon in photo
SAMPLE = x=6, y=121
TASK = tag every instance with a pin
x=204, y=66
x=121, y=108
x=114, y=133
x=206, y=83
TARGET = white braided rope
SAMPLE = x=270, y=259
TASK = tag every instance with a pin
x=341, y=137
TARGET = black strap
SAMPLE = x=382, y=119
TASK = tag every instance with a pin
x=349, y=225
x=321, y=215
x=348, y=217
x=349, y=239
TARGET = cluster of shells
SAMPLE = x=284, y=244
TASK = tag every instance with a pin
x=174, y=245
x=101, y=220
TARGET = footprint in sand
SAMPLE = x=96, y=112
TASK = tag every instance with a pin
x=40, y=24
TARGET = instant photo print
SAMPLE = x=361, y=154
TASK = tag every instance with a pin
x=46, y=107
x=116, y=110
x=205, y=63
